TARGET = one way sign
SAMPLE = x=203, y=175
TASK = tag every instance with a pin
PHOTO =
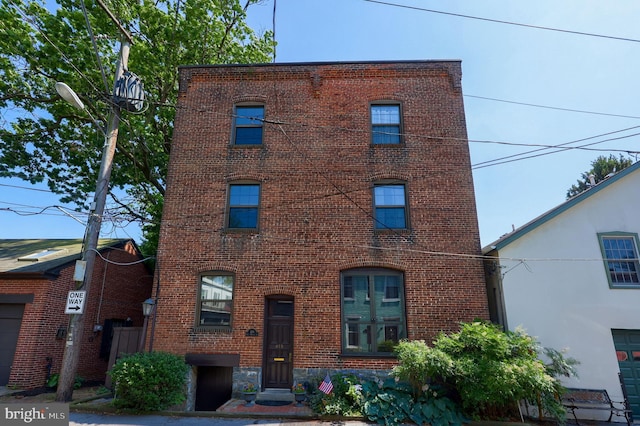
x=75, y=302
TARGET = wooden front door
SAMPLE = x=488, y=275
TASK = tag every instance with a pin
x=278, y=355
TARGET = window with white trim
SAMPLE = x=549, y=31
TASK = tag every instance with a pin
x=390, y=206
x=385, y=124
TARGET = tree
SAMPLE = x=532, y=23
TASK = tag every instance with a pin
x=44, y=139
x=601, y=167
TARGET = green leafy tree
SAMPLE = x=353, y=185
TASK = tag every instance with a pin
x=601, y=167
x=44, y=139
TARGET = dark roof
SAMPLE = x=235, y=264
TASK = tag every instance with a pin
x=320, y=63
x=41, y=257
x=547, y=216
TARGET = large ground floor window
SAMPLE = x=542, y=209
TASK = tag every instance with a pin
x=373, y=310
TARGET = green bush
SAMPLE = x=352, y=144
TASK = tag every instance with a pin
x=489, y=370
x=344, y=400
x=388, y=402
x=149, y=381
x=52, y=381
x=391, y=403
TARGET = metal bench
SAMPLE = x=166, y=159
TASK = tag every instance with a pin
x=595, y=399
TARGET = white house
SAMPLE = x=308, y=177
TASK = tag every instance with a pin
x=571, y=278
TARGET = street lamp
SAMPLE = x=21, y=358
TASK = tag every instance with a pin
x=147, y=309
x=69, y=95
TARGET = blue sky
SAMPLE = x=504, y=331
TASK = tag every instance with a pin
x=560, y=71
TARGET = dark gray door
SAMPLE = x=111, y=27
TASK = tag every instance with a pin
x=10, y=321
x=214, y=387
x=627, y=344
x=278, y=356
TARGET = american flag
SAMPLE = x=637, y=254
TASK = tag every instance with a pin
x=326, y=386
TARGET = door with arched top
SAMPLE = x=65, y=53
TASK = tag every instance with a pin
x=278, y=342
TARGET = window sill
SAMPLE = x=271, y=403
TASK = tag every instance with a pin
x=211, y=329
x=367, y=355
x=248, y=145
x=241, y=231
x=633, y=286
x=402, y=231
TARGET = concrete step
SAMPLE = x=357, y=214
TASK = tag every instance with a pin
x=272, y=394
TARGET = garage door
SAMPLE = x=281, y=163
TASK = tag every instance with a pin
x=627, y=344
x=10, y=320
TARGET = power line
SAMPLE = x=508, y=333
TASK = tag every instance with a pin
x=26, y=187
x=551, y=107
x=498, y=21
x=33, y=24
x=584, y=147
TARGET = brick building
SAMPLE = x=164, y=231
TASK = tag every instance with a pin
x=315, y=214
x=35, y=279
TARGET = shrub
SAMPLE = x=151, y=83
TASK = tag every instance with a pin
x=391, y=403
x=387, y=402
x=489, y=369
x=149, y=381
x=52, y=381
x=344, y=400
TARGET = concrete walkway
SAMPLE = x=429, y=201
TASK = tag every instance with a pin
x=93, y=419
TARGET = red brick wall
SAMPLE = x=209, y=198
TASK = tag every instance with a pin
x=316, y=170
x=116, y=292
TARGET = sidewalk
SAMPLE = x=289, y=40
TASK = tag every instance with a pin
x=239, y=407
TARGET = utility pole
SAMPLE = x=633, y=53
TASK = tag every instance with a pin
x=75, y=330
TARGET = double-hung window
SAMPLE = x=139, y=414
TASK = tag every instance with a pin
x=373, y=310
x=390, y=206
x=248, y=120
x=215, y=300
x=620, y=253
x=385, y=124
x=244, y=203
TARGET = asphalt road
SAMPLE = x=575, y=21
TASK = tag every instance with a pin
x=91, y=419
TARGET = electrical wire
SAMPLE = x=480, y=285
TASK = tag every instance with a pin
x=122, y=264
x=551, y=107
x=95, y=46
x=498, y=21
x=559, y=145
x=33, y=24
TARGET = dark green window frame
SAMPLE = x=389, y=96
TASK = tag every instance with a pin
x=620, y=256
x=243, y=206
x=373, y=311
x=248, y=125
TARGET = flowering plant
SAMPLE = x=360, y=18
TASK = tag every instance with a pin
x=299, y=388
x=249, y=387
